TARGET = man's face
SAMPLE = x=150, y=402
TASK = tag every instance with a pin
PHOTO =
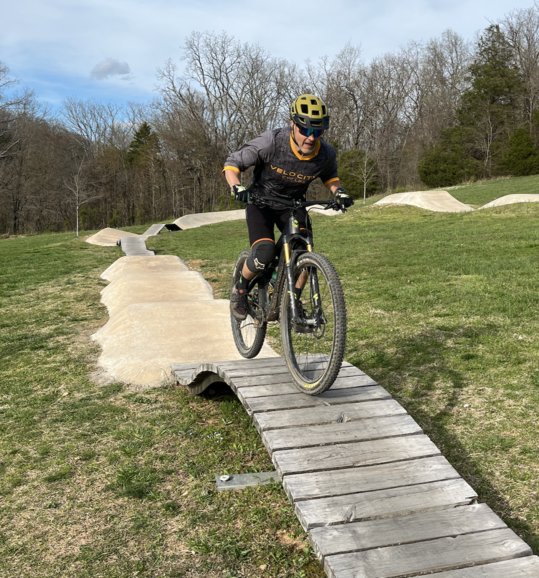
x=306, y=143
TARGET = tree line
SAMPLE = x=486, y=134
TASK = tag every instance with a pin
x=432, y=114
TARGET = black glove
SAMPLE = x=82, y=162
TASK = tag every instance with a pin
x=240, y=193
x=343, y=199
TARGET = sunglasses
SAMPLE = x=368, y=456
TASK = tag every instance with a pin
x=307, y=132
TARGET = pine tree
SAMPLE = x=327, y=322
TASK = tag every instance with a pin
x=146, y=171
x=489, y=110
x=520, y=157
x=145, y=144
x=487, y=117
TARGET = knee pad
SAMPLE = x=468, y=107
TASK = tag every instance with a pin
x=261, y=256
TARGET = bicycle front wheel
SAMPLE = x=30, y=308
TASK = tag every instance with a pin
x=249, y=333
x=314, y=342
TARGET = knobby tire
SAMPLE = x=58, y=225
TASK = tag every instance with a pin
x=315, y=358
x=250, y=333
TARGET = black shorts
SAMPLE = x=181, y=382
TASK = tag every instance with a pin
x=261, y=221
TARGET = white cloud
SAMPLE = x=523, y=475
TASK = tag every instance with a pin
x=110, y=67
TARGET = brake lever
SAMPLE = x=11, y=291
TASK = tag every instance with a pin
x=335, y=205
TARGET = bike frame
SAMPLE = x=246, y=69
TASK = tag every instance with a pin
x=284, y=262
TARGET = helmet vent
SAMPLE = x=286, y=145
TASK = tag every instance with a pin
x=309, y=111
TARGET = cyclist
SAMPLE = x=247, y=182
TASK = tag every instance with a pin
x=285, y=160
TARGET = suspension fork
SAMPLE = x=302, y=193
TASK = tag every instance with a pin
x=313, y=280
x=315, y=291
x=289, y=261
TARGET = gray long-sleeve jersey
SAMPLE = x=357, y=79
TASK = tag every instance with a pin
x=278, y=171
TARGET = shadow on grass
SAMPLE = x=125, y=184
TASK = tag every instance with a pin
x=427, y=377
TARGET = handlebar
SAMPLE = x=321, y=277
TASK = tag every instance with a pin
x=326, y=204
x=297, y=203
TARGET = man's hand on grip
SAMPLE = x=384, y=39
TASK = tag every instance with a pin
x=240, y=193
x=343, y=198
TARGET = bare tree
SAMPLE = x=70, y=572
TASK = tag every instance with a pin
x=388, y=86
x=521, y=29
x=341, y=82
x=97, y=125
x=103, y=133
x=232, y=90
x=10, y=104
x=444, y=77
x=77, y=185
x=15, y=186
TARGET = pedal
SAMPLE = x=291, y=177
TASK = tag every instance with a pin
x=305, y=326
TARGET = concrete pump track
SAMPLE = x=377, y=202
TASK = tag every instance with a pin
x=373, y=492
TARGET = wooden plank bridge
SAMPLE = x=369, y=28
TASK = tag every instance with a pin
x=374, y=493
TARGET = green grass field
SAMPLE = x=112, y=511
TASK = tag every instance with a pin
x=98, y=480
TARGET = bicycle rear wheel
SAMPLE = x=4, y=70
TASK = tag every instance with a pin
x=249, y=334
x=313, y=344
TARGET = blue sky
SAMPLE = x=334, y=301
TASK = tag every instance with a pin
x=111, y=50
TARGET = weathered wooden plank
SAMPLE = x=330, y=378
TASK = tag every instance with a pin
x=273, y=383
x=275, y=402
x=256, y=362
x=240, y=481
x=355, y=454
x=251, y=381
x=295, y=400
x=335, y=433
x=192, y=374
x=416, y=527
x=378, y=477
x=234, y=363
x=431, y=556
x=185, y=375
x=282, y=375
x=402, y=500
x=264, y=368
x=345, y=381
x=345, y=394
x=182, y=367
x=527, y=567
x=256, y=372
x=260, y=390
x=327, y=414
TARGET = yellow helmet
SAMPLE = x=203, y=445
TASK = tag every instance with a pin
x=309, y=111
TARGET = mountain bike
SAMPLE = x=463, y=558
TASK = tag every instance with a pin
x=301, y=289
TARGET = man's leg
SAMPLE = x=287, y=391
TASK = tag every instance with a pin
x=260, y=224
